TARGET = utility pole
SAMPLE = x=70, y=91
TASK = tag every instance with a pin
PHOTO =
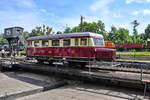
x=82, y=23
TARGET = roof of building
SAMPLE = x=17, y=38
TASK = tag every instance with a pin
x=66, y=35
x=14, y=27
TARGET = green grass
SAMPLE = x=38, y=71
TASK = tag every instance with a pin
x=133, y=56
x=134, y=53
x=133, y=60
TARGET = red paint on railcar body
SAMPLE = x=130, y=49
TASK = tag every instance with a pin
x=73, y=52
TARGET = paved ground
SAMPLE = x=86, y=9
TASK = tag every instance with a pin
x=18, y=84
x=13, y=84
x=87, y=92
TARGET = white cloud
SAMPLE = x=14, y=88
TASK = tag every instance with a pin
x=90, y=18
x=51, y=14
x=142, y=12
x=146, y=12
x=69, y=21
x=135, y=13
x=117, y=15
x=124, y=25
x=137, y=1
x=129, y=1
x=101, y=5
x=43, y=10
x=28, y=20
x=25, y=3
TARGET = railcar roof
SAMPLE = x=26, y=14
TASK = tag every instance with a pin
x=55, y=36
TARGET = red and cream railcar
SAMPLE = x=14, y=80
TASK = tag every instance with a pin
x=73, y=47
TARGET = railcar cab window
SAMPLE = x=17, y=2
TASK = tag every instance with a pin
x=45, y=43
x=66, y=42
x=36, y=44
x=83, y=42
x=98, y=42
x=55, y=42
x=76, y=42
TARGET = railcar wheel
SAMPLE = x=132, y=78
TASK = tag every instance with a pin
x=50, y=62
x=71, y=64
x=39, y=61
x=82, y=64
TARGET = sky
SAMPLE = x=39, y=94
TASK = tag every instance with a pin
x=61, y=13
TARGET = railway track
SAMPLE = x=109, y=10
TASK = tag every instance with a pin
x=134, y=67
x=113, y=73
x=123, y=66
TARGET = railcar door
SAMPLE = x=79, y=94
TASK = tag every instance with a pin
x=76, y=49
x=84, y=50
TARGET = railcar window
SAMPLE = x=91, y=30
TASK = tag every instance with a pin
x=36, y=43
x=83, y=42
x=30, y=43
x=76, y=42
x=45, y=43
x=98, y=42
x=66, y=42
x=55, y=42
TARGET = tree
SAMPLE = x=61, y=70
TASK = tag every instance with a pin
x=123, y=35
x=135, y=24
x=25, y=35
x=112, y=35
x=96, y=27
x=147, y=32
x=119, y=36
x=75, y=29
x=3, y=41
x=101, y=27
x=89, y=27
x=44, y=30
x=58, y=32
x=67, y=30
x=135, y=33
x=49, y=30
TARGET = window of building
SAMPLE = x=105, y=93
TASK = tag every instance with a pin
x=83, y=42
x=36, y=43
x=55, y=42
x=45, y=43
x=66, y=42
x=98, y=42
x=76, y=42
x=19, y=32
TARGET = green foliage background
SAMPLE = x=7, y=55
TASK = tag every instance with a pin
x=120, y=35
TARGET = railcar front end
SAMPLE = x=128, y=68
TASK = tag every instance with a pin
x=105, y=54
